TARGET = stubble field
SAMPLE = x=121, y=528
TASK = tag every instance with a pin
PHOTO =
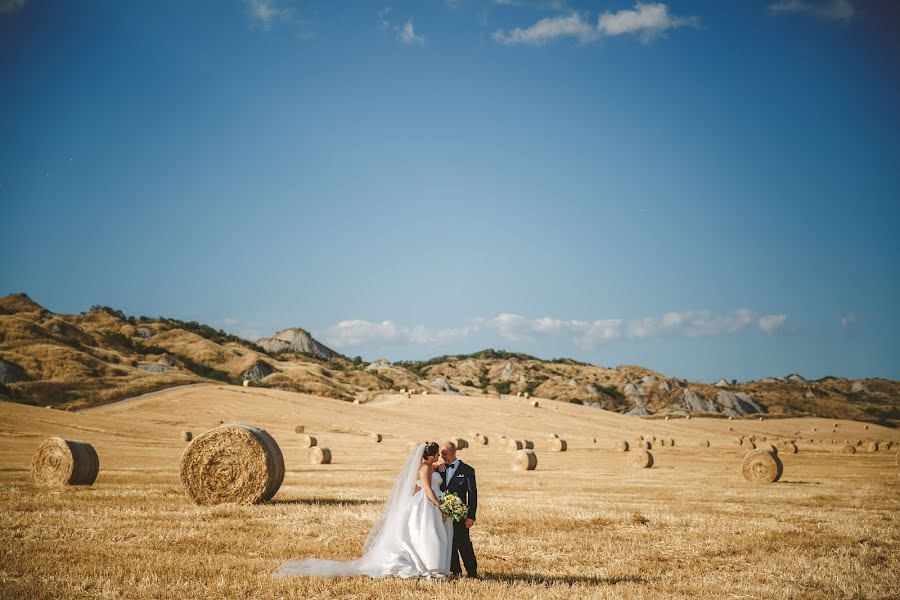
x=583, y=525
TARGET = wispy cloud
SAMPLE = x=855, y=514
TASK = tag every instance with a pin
x=584, y=334
x=231, y=321
x=11, y=6
x=383, y=17
x=408, y=35
x=848, y=320
x=557, y=5
x=646, y=21
x=265, y=13
x=829, y=10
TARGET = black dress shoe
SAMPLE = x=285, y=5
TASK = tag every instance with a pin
x=475, y=576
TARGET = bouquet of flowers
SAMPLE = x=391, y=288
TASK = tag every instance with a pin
x=452, y=506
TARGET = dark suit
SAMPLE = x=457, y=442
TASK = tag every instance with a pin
x=463, y=485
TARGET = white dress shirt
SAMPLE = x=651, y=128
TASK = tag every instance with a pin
x=451, y=468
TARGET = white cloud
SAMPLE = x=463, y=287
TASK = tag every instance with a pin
x=264, y=13
x=348, y=334
x=771, y=323
x=848, y=320
x=11, y=6
x=383, y=17
x=231, y=322
x=829, y=10
x=408, y=35
x=647, y=21
x=696, y=323
x=548, y=29
x=584, y=334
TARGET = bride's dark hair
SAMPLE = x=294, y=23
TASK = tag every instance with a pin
x=431, y=449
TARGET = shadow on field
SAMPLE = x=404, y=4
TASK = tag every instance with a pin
x=801, y=482
x=324, y=501
x=535, y=579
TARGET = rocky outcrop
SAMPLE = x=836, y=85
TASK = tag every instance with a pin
x=297, y=340
x=721, y=383
x=639, y=411
x=166, y=361
x=444, y=385
x=794, y=378
x=665, y=386
x=153, y=368
x=258, y=371
x=648, y=379
x=572, y=383
x=738, y=404
x=11, y=373
x=692, y=401
x=143, y=332
x=380, y=363
x=859, y=387
x=508, y=371
x=630, y=389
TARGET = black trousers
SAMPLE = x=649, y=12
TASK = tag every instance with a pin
x=462, y=546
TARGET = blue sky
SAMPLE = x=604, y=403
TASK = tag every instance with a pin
x=709, y=189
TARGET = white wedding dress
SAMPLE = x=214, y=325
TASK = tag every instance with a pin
x=409, y=539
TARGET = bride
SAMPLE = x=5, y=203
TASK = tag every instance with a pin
x=411, y=537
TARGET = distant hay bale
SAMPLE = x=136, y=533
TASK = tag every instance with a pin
x=752, y=438
x=761, y=466
x=703, y=443
x=872, y=447
x=739, y=441
x=622, y=446
x=514, y=445
x=518, y=394
x=234, y=464
x=731, y=429
x=220, y=423
x=769, y=448
x=527, y=395
x=749, y=445
x=688, y=417
x=299, y=429
x=835, y=425
x=308, y=441
x=59, y=462
x=524, y=460
x=670, y=443
x=186, y=436
x=529, y=445
x=535, y=403
x=662, y=442
x=481, y=440
x=376, y=437
x=558, y=445
x=731, y=418
x=667, y=417
x=788, y=447
x=552, y=435
x=246, y=383
x=319, y=455
x=762, y=438
x=640, y=458
x=760, y=418
x=866, y=427
x=460, y=443
x=645, y=445
x=848, y=449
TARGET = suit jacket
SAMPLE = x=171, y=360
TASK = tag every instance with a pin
x=463, y=485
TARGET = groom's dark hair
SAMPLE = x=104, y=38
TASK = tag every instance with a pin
x=431, y=449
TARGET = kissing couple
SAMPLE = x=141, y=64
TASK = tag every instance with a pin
x=413, y=536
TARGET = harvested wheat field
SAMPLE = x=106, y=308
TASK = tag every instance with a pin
x=583, y=524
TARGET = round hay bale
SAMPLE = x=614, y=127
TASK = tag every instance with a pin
x=687, y=417
x=535, y=403
x=752, y=438
x=527, y=395
x=670, y=442
x=749, y=445
x=788, y=447
x=246, y=383
x=308, y=441
x=731, y=418
x=848, y=449
x=299, y=429
x=186, y=436
x=645, y=445
x=376, y=437
x=667, y=417
x=622, y=446
x=859, y=443
x=514, y=445
x=219, y=423
x=662, y=442
x=731, y=429
x=703, y=443
x=761, y=466
x=524, y=460
x=59, y=462
x=528, y=444
x=866, y=427
x=769, y=448
x=235, y=464
x=460, y=443
x=319, y=455
x=872, y=447
x=552, y=435
x=640, y=458
x=739, y=441
x=558, y=445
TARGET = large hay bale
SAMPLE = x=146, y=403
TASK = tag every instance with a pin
x=235, y=464
x=849, y=449
x=524, y=460
x=645, y=445
x=528, y=444
x=299, y=429
x=376, y=437
x=535, y=404
x=640, y=458
x=481, y=440
x=788, y=447
x=460, y=443
x=59, y=462
x=670, y=443
x=761, y=466
x=246, y=383
x=318, y=455
x=308, y=441
x=703, y=443
x=768, y=448
x=558, y=445
x=514, y=445
x=186, y=436
x=622, y=446
x=872, y=447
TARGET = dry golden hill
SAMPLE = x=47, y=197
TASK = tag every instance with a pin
x=103, y=355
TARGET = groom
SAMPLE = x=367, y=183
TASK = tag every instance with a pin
x=459, y=479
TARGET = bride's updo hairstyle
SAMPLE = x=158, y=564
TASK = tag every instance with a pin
x=431, y=449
